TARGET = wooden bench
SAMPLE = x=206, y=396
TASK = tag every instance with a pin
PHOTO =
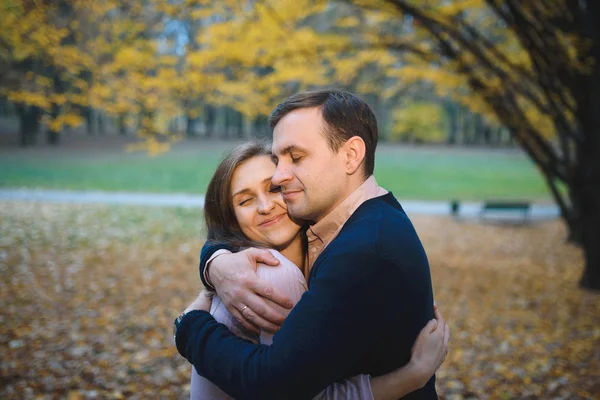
x=506, y=208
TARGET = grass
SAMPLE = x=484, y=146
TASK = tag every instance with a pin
x=411, y=173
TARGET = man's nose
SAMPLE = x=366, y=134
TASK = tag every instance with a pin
x=281, y=175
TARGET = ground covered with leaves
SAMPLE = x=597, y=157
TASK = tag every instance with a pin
x=89, y=293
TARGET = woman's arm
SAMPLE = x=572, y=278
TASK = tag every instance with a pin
x=428, y=353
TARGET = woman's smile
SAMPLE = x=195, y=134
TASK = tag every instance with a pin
x=272, y=220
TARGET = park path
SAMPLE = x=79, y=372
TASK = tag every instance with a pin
x=412, y=207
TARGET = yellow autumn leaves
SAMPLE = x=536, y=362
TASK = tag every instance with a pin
x=172, y=58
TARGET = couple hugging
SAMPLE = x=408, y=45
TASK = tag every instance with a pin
x=323, y=288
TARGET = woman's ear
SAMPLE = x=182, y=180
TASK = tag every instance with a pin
x=354, y=150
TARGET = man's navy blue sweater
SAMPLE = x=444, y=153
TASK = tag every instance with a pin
x=369, y=296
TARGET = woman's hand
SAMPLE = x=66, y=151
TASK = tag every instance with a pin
x=202, y=302
x=428, y=353
x=431, y=347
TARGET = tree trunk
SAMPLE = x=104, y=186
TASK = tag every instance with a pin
x=226, y=122
x=209, y=120
x=587, y=175
x=240, y=125
x=100, y=122
x=28, y=124
x=89, y=120
x=452, y=112
x=585, y=225
x=261, y=128
x=190, y=126
x=487, y=135
x=590, y=236
x=121, y=124
x=52, y=135
x=478, y=129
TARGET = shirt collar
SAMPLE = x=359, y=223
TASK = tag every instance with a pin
x=327, y=228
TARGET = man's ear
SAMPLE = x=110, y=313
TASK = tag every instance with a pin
x=354, y=150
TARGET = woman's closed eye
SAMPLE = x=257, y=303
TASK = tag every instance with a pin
x=245, y=200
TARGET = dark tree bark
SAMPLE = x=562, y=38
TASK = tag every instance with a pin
x=121, y=124
x=190, y=126
x=260, y=126
x=554, y=85
x=209, y=120
x=227, y=121
x=585, y=186
x=89, y=120
x=239, y=124
x=29, y=117
x=452, y=112
x=53, y=135
x=100, y=122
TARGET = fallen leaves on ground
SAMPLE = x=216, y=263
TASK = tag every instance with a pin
x=89, y=293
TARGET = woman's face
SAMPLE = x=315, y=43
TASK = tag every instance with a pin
x=259, y=206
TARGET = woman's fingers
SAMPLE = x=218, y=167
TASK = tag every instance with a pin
x=446, y=336
x=436, y=313
x=439, y=317
x=431, y=326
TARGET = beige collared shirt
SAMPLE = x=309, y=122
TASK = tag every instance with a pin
x=323, y=232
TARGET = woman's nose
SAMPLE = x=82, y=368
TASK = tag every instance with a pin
x=266, y=205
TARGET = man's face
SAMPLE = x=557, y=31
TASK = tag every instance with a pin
x=313, y=178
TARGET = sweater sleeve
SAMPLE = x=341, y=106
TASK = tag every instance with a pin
x=358, y=387
x=208, y=249
x=336, y=323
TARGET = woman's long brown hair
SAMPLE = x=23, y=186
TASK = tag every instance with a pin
x=221, y=223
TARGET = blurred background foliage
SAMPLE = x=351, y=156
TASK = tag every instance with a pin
x=486, y=72
x=163, y=68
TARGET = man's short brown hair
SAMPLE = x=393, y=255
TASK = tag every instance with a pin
x=345, y=115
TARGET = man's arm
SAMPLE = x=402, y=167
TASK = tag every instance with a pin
x=243, y=293
x=332, y=327
x=208, y=249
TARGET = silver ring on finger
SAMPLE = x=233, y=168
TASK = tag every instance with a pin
x=243, y=309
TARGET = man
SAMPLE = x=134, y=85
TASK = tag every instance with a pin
x=369, y=283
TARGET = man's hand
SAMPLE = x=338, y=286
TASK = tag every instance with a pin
x=243, y=293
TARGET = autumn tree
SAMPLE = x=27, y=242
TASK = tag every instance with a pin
x=528, y=66
x=533, y=66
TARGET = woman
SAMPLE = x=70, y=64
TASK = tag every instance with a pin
x=243, y=209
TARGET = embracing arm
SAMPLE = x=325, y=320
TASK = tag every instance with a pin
x=318, y=342
x=428, y=353
x=208, y=249
x=235, y=280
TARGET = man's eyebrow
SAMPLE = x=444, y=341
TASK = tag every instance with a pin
x=247, y=190
x=291, y=148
